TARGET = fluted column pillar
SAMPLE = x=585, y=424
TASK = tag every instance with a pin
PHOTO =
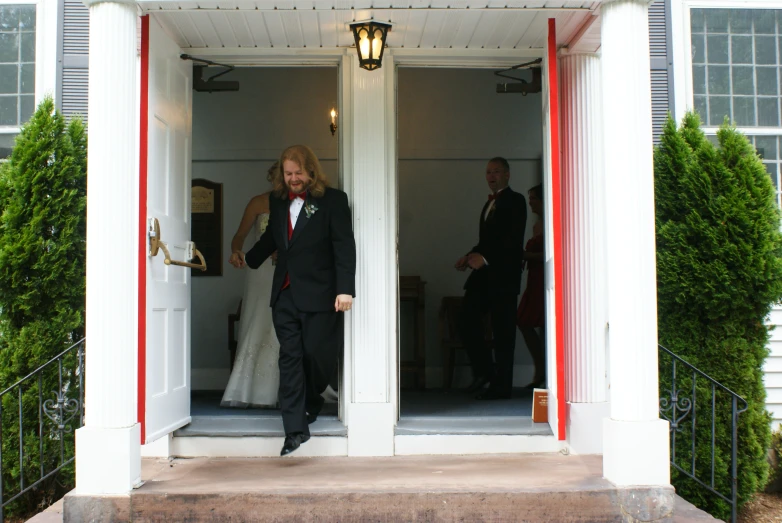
x=368, y=120
x=584, y=250
x=635, y=439
x=107, y=447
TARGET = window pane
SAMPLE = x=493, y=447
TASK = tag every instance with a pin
x=744, y=110
x=743, y=80
x=767, y=147
x=9, y=18
x=765, y=21
x=717, y=49
x=6, y=144
x=28, y=47
x=741, y=49
x=719, y=108
x=768, y=112
x=717, y=20
x=765, y=50
x=771, y=169
x=700, y=108
x=9, y=78
x=27, y=18
x=719, y=79
x=741, y=21
x=699, y=79
x=697, y=21
x=767, y=80
x=27, y=78
x=8, y=110
x=9, y=47
x=698, y=49
x=26, y=107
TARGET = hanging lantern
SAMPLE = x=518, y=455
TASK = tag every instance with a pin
x=370, y=40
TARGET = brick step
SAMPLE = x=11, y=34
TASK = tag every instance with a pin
x=533, y=488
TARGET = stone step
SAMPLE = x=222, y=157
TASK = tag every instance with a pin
x=534, y=488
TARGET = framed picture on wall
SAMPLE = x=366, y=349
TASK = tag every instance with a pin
x=206, y=232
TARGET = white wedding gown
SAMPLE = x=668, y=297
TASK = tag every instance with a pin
x=255, y=379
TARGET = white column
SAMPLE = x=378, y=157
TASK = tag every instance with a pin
x=635, y=439
x=107, y=447
x=368, y=117
x=584, y=250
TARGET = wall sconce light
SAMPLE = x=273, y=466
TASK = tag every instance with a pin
x=333, y=124
x=370, y=41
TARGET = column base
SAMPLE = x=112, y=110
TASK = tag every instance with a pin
x=108, y=461
x=371, y=429
x=160, y=448
x=636, y=452
x=585, y=426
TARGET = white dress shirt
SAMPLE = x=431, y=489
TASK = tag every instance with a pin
x=295, y=209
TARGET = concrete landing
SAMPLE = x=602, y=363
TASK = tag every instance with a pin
x=534, y=488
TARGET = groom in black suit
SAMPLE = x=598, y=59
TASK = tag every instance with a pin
x=314, y=282
x=493, y=284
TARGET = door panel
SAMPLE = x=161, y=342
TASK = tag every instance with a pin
x=168, y=188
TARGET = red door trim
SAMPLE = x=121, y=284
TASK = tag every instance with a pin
x=559, y=340
x=142, y=227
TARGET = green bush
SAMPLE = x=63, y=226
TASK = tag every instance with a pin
x=719, y=270
x=42, y=286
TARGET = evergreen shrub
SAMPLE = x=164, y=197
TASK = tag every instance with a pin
x=719, y=271
x=42, y=286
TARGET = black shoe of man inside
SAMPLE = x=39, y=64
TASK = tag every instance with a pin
x=293, y=442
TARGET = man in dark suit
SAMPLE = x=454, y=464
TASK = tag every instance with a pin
x=314, y=282
x=493, y=285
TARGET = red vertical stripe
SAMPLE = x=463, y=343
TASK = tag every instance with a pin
x=553, y=92
x=142, y=227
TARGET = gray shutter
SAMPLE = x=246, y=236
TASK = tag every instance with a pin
x=74, y=72
x=659, y=54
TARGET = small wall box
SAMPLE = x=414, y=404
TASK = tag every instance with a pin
x=540, y=405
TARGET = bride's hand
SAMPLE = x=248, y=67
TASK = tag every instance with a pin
x=237, y=259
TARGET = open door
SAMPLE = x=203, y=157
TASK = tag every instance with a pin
x=553, y=222
x=164, y=324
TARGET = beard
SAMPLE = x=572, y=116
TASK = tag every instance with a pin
x=303, y=186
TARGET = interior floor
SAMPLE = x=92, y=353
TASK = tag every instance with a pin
x=439, y=403
x=431, y=411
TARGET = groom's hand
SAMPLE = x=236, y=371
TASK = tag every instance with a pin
x=343, y=303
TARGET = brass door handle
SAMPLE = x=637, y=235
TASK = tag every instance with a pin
x=155, y=244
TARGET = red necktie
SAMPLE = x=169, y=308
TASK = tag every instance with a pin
x=291, y=196
x=493, y=196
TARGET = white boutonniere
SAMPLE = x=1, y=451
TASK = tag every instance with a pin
x=310, y=209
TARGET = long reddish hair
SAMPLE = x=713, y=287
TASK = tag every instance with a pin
x=306, y=159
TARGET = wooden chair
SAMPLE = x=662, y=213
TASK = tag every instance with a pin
x=233, y=319
x=450, y=338
x=411, y=288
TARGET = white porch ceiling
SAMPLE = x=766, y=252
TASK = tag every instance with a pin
x=423, y=24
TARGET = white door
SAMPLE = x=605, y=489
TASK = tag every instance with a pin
x=553, y=234
x=169, y=103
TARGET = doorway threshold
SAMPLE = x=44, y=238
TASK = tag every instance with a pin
x=253, y=426
x=472, y=426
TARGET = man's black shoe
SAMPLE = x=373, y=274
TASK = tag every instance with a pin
x=293, y=442
x=311, y=417
x=476, y=385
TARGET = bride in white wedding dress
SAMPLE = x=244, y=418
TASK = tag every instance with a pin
x=255, y=378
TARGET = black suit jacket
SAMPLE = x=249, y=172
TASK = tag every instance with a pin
x=501, y=243
x=320, y=256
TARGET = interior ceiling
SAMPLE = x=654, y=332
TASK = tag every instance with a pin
x=434, y=24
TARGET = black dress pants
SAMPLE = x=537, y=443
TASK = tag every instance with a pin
x=502, y=310
x=309, y=347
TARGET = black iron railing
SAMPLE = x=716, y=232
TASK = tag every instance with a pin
x=43, y=433
x=695, y=405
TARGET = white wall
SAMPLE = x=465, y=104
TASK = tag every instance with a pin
x=450, y=122
x=236, y=137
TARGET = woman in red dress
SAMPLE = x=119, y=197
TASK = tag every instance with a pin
x=531, y=314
